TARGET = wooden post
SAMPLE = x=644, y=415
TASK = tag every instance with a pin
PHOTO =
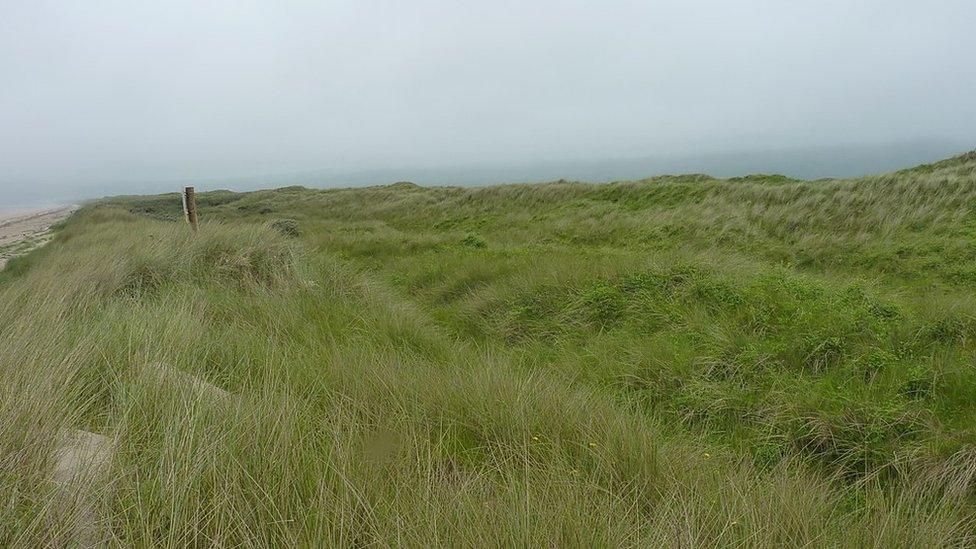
x=190, y=207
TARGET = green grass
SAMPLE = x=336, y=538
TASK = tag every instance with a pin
x=670, y=362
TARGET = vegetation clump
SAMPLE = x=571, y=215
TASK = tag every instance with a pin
x=287, y=227
x=473, y=240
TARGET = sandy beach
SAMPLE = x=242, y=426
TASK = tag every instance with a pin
x=22, y=231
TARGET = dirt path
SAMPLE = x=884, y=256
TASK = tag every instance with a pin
x=24, y=231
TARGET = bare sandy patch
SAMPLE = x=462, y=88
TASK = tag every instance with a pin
x=24, y=231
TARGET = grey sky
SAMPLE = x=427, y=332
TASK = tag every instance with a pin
x=131, y=90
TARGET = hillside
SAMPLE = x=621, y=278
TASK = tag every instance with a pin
x=682, y=360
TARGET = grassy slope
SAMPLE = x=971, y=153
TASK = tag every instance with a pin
x=754, y=361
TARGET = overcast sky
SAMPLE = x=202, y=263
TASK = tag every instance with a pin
x=129, y=90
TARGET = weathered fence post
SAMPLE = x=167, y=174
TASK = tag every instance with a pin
x=190, y=206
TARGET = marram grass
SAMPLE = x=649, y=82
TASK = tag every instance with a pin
x=681, y=361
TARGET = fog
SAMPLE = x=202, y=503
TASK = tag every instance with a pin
x=129, y=96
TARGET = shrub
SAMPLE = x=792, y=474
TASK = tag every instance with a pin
x=287, y=227
x=473, y=240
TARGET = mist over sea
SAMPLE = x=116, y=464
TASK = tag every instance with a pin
x=800, y=163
